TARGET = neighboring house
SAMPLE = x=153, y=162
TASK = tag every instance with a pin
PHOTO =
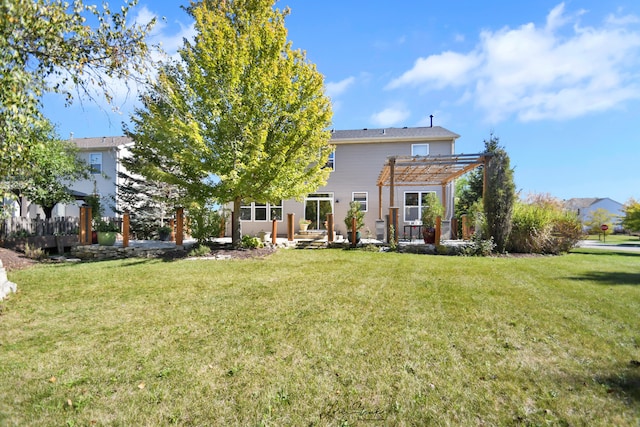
x=584, y=207
x=103, y=154
x=357, y=164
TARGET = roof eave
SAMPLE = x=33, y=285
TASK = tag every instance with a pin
x=369, y=140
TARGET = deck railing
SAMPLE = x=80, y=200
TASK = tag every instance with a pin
x=57, y=226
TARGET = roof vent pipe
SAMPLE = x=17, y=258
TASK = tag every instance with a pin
x=431, y=117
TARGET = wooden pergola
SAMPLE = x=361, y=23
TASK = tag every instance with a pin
x=425, y=170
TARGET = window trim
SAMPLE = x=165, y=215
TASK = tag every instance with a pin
x=91, y=164
x=420, y=193
x=331, y=160
x=414, y=146
x=269, y=207
x=366, y=200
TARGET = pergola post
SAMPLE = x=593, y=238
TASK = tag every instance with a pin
x=379, y=201
x=393, y=222
x=290, y=231
x=392, y=180
x=125, y=230
x=180, y=226
x=85, y=225
x=443, y=198
x=274, y=231
x=330, y=235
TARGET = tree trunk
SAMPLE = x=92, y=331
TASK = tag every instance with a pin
x=235, y=223
x=48, y=210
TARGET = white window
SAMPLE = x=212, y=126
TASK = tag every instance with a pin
x=361, y=197
x=419, y=149
x=414, y=203
x=95, y=163
x=331, y=162
x=245, y=211
x=259, y=212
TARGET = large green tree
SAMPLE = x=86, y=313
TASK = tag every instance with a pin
x=631, y=220
x=500, y=194
x=51, y=46
x=243, y=117
x=51, y=167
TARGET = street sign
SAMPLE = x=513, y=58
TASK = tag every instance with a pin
x=604, y=227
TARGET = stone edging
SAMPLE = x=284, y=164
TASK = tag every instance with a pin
x=5, y=285
x=99, y=252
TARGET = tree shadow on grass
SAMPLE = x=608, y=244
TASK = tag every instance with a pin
x=625, y=385
x=610, y=278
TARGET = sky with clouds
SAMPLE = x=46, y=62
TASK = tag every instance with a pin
x=557, y=82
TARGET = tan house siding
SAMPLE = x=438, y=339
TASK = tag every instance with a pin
x=359, y=158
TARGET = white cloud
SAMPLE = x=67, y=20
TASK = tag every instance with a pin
x=334, y=89
x=438, y=71
x=558, y=71
x=390, y=116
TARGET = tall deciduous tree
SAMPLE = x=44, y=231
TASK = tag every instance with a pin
x=49, y=46
x=244, y=117
x=500, y=194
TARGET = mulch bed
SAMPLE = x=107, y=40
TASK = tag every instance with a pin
x=12, y=260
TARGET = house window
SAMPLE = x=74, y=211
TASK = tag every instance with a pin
x=419, y=149
x=261, y=211
x=361, y=197
x=276, y=211
x=331, y=162
x=95, y=163
x=414, y=204
x=245, y=211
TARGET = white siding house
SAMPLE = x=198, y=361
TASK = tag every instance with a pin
x=584, y=208
x=104, y=155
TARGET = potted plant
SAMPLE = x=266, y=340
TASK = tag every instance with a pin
x=430, y=212
x=304, y=224
x=164, y=232
x=107, y=232
x=356, y=212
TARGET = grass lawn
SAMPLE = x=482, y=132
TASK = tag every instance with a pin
x=324, y=338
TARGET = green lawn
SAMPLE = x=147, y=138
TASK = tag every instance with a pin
x=324, y=338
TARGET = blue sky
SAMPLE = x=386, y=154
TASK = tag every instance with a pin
x=557, y=82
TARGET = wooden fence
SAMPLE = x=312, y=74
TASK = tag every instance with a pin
x=25, y=227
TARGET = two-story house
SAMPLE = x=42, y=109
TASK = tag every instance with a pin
x=104, y=155
x=357, y=164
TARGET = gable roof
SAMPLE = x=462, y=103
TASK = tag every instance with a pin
x=580, y=202
x=102, y=142
x=393, y=134
x=586, y=202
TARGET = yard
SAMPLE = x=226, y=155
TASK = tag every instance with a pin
x=325, y=337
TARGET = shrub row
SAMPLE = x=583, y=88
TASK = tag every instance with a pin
x=543, y=229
